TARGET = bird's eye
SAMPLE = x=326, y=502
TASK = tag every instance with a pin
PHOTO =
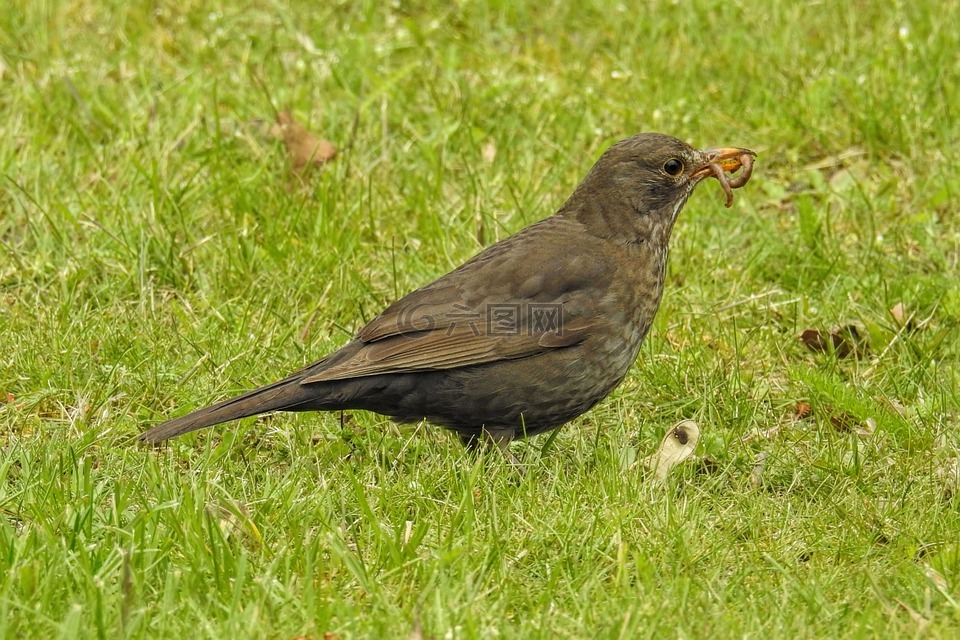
x=673, y=167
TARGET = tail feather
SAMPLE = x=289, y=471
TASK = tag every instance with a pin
x=285, y=394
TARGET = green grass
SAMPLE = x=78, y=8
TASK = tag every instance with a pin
x=152, y=260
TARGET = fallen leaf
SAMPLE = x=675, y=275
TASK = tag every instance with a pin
x=304, y=148
x=901, y=318
x=898, y=313
x=843, y=422
x=845, y=341
x=802, y=410
x=677, y=445
x=846, y=423
x=814, y=340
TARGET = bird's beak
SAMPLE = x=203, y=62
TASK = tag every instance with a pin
x=716, y=162
x=727, y=158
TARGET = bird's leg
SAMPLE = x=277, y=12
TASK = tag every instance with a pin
x=503, y=441
x=499, y=437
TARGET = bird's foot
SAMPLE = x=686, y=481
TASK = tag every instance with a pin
x=501, y=438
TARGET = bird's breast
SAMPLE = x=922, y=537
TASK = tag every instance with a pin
x=631, y=302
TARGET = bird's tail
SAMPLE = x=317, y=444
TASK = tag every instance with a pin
x=286, y=394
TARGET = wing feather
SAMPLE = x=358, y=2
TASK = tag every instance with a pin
x=446, y=325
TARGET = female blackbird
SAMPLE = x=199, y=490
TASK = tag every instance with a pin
x=528, y=334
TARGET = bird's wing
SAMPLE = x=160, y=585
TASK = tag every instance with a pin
x=435, y=350
x=501, y=305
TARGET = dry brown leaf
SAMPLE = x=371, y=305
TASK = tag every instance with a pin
x=304, y=148
x=814, y=339
x=843, y=422
x=802, y=410
x=845, y=341
x=846, y=423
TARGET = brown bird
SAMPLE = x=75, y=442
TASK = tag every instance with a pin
x=528, y=334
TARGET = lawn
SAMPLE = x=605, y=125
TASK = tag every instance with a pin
x=156, y=254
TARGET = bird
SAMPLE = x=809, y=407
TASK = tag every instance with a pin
x=528, y=334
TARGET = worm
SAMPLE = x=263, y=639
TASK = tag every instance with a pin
x=728, y=184
x=746, y=160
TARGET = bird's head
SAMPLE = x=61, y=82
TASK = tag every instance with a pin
x=639, y=185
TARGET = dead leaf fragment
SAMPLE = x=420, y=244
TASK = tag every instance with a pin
x=677, y=445
x=843, y=422
x=901, y=318
x=846, y=423
x=898, y=313
x=845, y=341
x=814, y=340
x=304, y=148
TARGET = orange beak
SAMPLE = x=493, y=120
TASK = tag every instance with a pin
x=727, y=157
x=716, y=162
